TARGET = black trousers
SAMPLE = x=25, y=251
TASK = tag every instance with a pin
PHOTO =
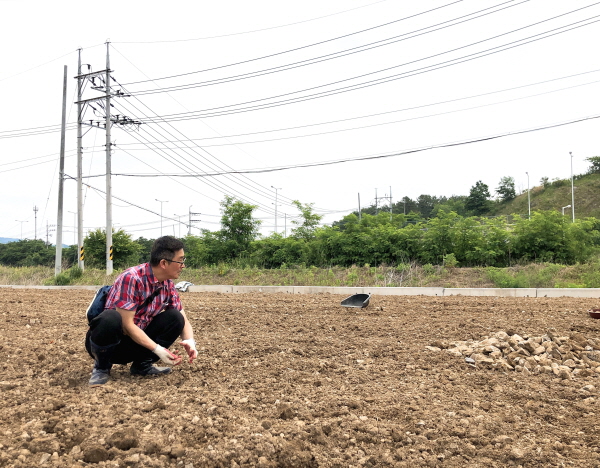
x=107, y=329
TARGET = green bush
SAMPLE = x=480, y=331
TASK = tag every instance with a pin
x=503, y=279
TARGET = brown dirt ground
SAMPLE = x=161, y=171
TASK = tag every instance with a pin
x=296, y=381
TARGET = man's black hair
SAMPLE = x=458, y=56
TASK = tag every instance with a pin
x=164, y=247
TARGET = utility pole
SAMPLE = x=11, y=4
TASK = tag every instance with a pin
x=383, y=198
x=104, y=77
x=79, y=227
x=359, y=214
x=391, y=208
x=109, y=246
x=178, y=222
x=48, y=231
x=35, y=210
x=572, y=190
x=161, y=216
x=528, y=197
x=276, y=191
x=61, y=182
x=190, y=214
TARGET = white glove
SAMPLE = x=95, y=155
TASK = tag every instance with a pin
x=190, y=348
x=166, y=356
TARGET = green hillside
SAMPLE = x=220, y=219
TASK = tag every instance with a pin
x=557, y=194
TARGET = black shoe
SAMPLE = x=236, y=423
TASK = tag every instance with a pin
x=99, y=377
x=146, y=368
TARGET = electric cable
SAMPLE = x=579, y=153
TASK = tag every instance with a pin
x=268, y=193
x=204, y=113
x=252, y=31
x=230, y=189
x=334, y=55
x=379, y=156
x=296, y=48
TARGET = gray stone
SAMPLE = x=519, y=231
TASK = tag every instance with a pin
x=95, y=454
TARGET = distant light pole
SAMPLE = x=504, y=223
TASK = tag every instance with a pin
x=161, y=216
x=572, y=190
x=21, y=226
x=276, y=189
x=563, y=209
x=528, y=196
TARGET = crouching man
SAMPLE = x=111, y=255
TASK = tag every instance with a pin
x=143, y=317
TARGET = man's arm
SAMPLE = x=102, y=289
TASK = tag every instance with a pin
x=187, y=337
x=133, y=331
x=139, y=336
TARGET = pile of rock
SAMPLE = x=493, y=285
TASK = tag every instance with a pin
x=565, y=357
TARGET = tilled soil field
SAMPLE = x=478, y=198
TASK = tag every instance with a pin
x=299, y=381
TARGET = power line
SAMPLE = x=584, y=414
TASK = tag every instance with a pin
x=335, y=55
x=193, y=150
x=378, y=156
x=226, y=110
x=251, y=31
x=297, y=48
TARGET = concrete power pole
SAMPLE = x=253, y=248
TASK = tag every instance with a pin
x=276, y=190
x=80, y=252
x=190, y=220
x=61, y=180
x=105, y=77
x=572, y=190
x=109, y=246
x=35, y=210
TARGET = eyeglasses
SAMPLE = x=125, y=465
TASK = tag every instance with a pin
x=169, y=260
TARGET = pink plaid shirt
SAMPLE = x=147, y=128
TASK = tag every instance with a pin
x=134, y=285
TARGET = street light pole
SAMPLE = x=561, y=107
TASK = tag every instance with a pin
x=161, y=216
x=528, y=197
x=563, y=209
x=572, y=190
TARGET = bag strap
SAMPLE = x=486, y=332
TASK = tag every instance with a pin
x=150, y=298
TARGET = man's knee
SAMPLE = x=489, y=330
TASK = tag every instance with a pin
x=175, y=317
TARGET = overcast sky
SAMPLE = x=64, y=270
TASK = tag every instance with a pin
x=253, y=91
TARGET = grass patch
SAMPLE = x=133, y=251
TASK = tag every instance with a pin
x=539, y=275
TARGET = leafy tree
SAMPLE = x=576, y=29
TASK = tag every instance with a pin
x=545, y=181
x=550, y=237
x=454, y=203
x=595, y=164
x=506, y=190
x=126, y=252
x=276, y=251
x=438, y=237
x=310, y=220
x=478, y=203
x=238, y=228
x=145, y=249
x=405, y=206
x=27, y=252
x=425, y=205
